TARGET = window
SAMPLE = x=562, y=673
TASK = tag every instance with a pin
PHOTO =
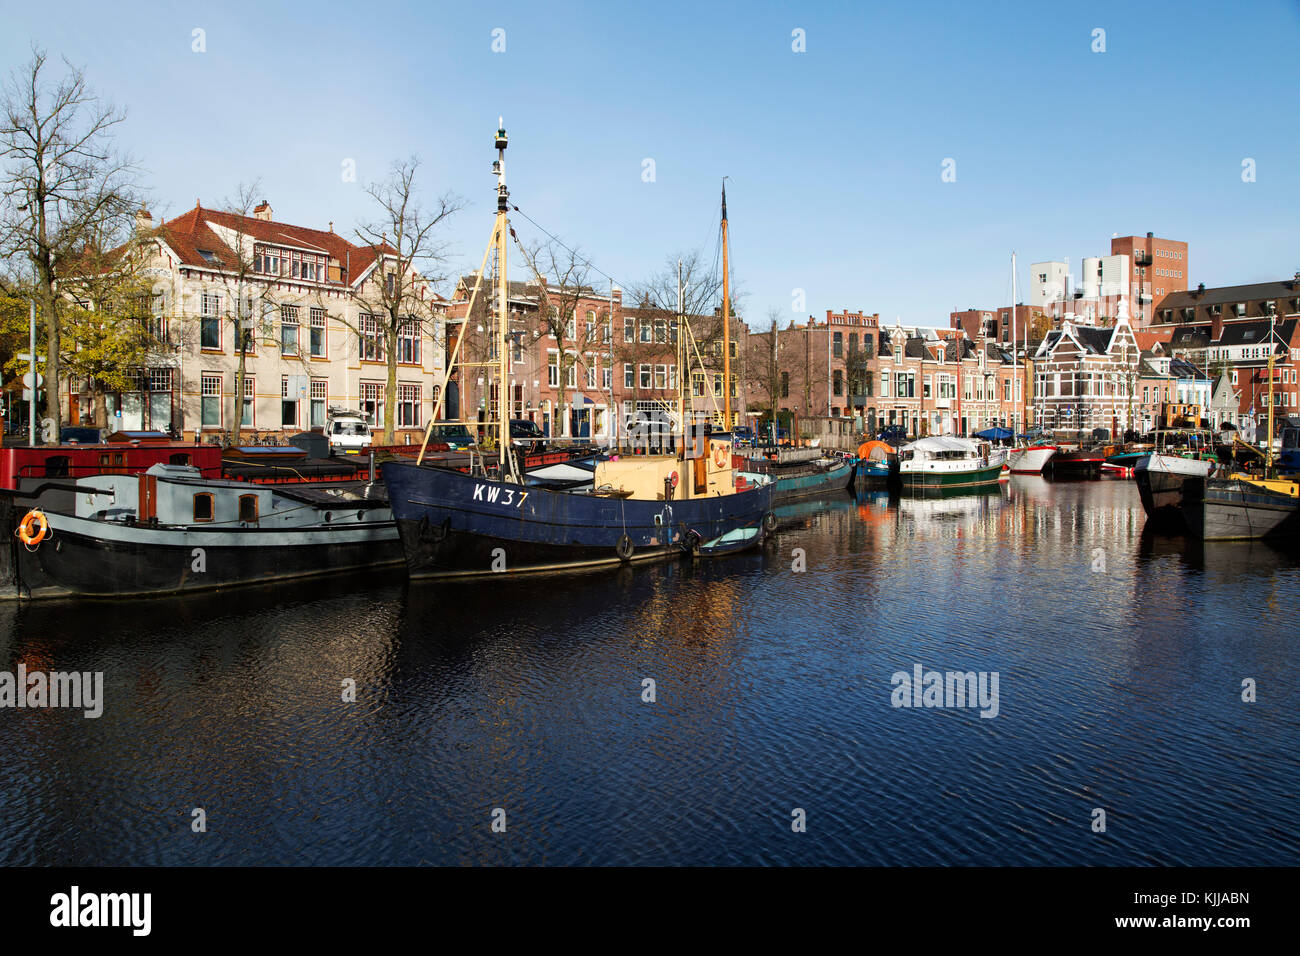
x=697, y=384
x=210, y=322
x=210, y=387
x=248, y=509
x=609, y=377
x=372, y=403
x=571, y=371
x=250, y=392
x=408, y=342
x=837, y=345
x=661, y=330
x=646, y=373
x=661, y=376
x=319, y=395
x=317, y=343
x=628, y=375
x=553, y=370
x=203, y=506
x=288, y=404
x=390, y=283
x=646, y=331
x=288, y=330
x=408, y=406
x=371, y=338
x=592, y=371
x=837, y=381
x=629, y=330
x=571, y=328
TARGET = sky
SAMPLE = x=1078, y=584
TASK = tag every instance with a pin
x=1059, y=136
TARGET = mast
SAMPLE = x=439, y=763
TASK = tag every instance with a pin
x=682, y=368
x=1014, y=358
x=726, y=318
x=1272, y=351
x=505, y=456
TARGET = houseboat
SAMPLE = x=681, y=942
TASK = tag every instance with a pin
x=802, y=472
x=948, y=463
x=172, y=529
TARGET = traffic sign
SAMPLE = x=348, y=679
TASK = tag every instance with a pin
x=27, y=380
x=27, y=357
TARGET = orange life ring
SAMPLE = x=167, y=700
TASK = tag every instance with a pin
x=720, y=456
x=33, y=517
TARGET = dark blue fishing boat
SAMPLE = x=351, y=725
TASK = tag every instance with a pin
x=501, y=519
x=455, y=525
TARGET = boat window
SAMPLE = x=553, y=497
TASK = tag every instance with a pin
x=56, y=466
x=248, y=508
x=203, y=507
x=181, y=459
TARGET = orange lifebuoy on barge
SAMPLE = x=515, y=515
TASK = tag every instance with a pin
x=36, y=518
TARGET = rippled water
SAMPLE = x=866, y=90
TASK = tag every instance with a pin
x=1120, y=660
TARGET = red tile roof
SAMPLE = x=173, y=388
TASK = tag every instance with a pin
x=190, y=232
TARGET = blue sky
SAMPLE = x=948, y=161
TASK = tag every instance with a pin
x=834, y=154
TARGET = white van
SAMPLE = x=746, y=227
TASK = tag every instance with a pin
x=348, y=432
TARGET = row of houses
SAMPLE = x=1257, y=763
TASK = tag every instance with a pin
x=584, y=364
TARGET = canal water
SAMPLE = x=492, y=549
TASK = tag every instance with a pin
x=772, y=737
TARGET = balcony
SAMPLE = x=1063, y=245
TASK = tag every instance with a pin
x=1142, y=258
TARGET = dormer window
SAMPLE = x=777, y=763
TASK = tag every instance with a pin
x=209, y=257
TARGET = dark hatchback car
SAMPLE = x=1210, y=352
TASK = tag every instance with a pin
x=455, y=437
x=893, y=434
x=526, y=436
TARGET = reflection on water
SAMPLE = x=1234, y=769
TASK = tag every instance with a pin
x=1121, y=657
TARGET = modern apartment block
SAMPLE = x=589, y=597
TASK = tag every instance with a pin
x=1130, y=282
x=301, y=297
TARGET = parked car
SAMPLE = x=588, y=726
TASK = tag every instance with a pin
x=526, y=436
x=348, y=432
x=744, y=435
x=893, y=434
x=455, y=437
x=79, y=434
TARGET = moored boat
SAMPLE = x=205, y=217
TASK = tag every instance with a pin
x=802, y=473
x=948, y=463
x=172, y=530
x=637, y=507
x=1243, y=507
x=1078, y=462
x=1030, y=459
x=1165, y=482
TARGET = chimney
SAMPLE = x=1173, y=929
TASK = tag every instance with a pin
x=262, y=211
x=143, y=220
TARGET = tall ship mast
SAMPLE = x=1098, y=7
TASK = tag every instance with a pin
x=484, y=519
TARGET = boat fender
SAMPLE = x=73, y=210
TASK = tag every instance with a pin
x=769, y=522
x=624, y=548
x=34, y=518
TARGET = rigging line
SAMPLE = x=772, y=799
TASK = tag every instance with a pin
x=554, y=238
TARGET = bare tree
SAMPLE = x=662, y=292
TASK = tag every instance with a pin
x=765, y=354
x=399, y=295
x=563, y=283
x=65, y=187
